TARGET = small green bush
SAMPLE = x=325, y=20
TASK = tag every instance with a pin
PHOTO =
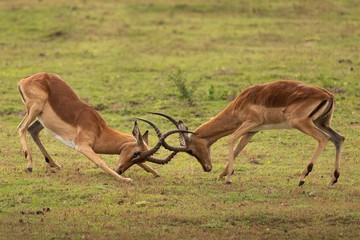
x=186, y=91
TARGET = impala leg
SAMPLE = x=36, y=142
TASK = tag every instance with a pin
x=238, y=148
x=32, y=111
x=338, y=141
x=34, y=131
x=244, y=129
x=149, y=169
x=308, y=127
x=25, y=147
x=90, y=154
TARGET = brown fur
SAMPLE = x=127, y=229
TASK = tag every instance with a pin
x=280, y=94
x=56, y=107
x=274, y=105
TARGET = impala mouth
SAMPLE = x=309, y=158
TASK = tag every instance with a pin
x=120, y=170
x=206, y=167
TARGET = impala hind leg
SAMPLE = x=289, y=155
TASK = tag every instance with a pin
x=32, y=111
x=308, y=127
x=338, y=141
x=238, y=148
x=34, y=131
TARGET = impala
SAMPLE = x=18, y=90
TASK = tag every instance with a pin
x=52, y=104
x=276, y=105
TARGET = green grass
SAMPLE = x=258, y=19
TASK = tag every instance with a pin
x=118, y=55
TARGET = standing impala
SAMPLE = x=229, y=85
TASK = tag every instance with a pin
x=55, y=106
x=276, y=105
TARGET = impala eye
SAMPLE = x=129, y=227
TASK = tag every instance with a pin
x=135, y=155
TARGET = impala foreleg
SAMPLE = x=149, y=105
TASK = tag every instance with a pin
x=243, y=130
x=149, y=169
x=34, y=131
x=238, y=148
x=90, y=154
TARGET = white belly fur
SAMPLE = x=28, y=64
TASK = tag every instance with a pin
x=282, y=125
x=68, y=142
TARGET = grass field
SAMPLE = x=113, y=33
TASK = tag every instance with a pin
x=119, y=56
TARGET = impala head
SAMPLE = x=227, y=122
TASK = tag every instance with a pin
x=200, y=149
x=191, y=143
x=135, y=151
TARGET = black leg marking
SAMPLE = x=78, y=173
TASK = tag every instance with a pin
x=309, y=169
x=26, y=154
x=301, y=183
x=47, y=160
x=336, y=175
x=29, y=169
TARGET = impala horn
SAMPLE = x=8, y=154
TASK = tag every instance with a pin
x=148, y=155
x=184, y=138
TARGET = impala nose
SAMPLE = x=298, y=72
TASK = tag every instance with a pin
x=119, y=171
x=207, y=167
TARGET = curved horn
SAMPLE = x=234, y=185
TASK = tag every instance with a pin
x=162, y=141
x=166, y=116
x=152, y=151
x=176, y=149
x=157, y=130
x=179, y=125
x=161, y=161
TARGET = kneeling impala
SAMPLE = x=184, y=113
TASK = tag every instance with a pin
x=52, y=104
x=276, y=105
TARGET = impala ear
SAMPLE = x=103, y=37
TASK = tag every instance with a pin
x=145, y=137
x=136, y=133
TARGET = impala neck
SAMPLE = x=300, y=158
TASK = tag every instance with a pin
x=220, y=126
x=111, y=141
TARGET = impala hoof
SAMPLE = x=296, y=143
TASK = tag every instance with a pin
x=128, y=180
x=228, y=182
x=334, y=179
x=301, y=183
x=29, y=169
x=332, y=183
